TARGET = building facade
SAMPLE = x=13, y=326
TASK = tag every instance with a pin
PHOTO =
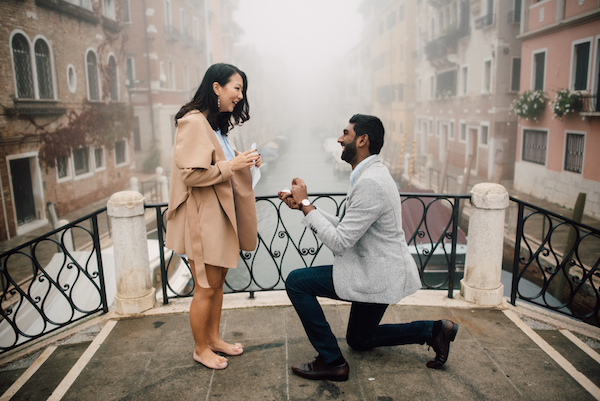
x=557, y=154
x=170, y=45
x=467, y=70
x=64, y=126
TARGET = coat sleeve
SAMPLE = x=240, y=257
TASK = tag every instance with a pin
x=361, y=213
x=193, y=155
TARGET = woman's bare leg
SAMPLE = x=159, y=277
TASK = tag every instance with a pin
x=201, y=311
x=215, y=342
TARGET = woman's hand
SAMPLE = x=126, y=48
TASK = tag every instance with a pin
x=244, y=160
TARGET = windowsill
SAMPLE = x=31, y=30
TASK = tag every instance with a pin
x=38, y=107
x=83, y=176
x=64, y=179
x=100, y=169
x=28, y=227
x=71, y=9
x=121, y=165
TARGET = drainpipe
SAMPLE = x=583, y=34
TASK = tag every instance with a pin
x=150, y=100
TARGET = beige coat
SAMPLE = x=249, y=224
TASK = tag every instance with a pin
x=209, y=204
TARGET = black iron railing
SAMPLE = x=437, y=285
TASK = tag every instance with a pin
x=284, y=244
x=556, y=263
x=51, y=282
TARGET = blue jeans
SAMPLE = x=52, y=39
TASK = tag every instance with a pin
x=364, y=331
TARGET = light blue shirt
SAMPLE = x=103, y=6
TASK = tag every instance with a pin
x=225, y=145
x=354, y=172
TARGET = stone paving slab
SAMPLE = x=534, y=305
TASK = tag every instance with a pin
x=149, y=358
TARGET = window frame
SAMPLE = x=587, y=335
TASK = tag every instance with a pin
x=87, y=75
x=70, y=172
x=486, y=83
x=103, y=166
x=464, y=80
x=533, y=68
x=462, y=124
x=480, y=143
x=573, y=72
x=90, y=171
x=564, y=162
x=126, y=162
x=116, y=79
x=512, y=74
x=546, y=132
x=33, y=66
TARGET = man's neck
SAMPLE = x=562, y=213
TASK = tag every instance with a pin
x=359, y=160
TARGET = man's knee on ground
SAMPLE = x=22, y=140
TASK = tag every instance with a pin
x=292, y=280
x=356, y=342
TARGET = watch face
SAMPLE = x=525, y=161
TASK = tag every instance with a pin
x=305, y=202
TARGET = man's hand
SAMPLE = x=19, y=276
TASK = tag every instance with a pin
x=299, y=191
x=288, y=199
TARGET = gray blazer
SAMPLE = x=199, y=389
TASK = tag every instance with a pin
x=372, y=262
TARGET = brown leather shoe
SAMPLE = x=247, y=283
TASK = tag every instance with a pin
x=319, y=370
x=441, y=344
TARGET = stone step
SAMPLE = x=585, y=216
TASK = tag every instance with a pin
x=50, y=372
x=578, y=357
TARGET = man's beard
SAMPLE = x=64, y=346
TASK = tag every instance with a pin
x=349, y=152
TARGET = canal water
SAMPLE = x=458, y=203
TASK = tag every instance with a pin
x=284, y=243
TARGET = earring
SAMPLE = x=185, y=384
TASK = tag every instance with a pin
x=218, y=103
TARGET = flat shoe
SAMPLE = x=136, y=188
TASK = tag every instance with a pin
x=230, y=353
x=217, y=366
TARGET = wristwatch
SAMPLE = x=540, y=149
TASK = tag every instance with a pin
x=305, y=202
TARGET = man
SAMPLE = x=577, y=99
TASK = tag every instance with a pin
x=372, y=266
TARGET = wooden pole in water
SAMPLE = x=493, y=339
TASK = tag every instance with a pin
x=412, y=163
x=401, y=155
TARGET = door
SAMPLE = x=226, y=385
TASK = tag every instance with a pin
x=20, y=172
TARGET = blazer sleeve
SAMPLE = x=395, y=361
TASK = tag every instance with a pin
x=360, y=215
x=193, y=155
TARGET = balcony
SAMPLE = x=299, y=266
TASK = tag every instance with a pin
x=442, y=50
x=171, y=33
x=590, y=106
x=485, y=21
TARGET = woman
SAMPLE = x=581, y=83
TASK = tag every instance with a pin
x=211, y=212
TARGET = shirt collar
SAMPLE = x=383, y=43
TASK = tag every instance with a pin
x=354, y=172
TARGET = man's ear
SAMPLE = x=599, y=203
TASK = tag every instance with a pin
x=216, y=88
x=363, y=140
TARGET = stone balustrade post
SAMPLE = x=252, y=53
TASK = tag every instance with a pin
x=164, y=189
x=135, y=293
x=133, y=184
x=483, y=263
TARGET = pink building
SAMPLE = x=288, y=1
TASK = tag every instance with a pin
x=557, y=158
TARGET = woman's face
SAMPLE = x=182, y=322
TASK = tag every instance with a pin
x=230, y=94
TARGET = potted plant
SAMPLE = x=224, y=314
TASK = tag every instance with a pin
x=530, y=104
x=565, y=103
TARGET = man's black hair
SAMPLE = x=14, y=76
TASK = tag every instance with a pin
x=372, y=126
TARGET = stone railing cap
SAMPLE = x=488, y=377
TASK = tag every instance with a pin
x=489, y=196
x=125, y=204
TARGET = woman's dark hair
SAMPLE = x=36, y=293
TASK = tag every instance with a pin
x=205, y=99
x=372, y=126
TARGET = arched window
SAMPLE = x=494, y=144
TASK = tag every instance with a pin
x=92, y=76
x=22, y=65
x=44, y=70
x=112, y=76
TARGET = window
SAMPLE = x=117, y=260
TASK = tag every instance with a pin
x=82, y=3
x=483, y=135
x=451, y=130
x=126, y=10
x=43, y=69
x=539, y=69
x=534, y=146
x=168, y=20
x=121, y=152
x=487, y=76
x=109, y=9
x=574, y=152
x=446, y=84
x=171, y=75
x=137, y=141
x=71, y=78
x=184, y=22
x=81, y=161
x=195, y=31
x=92, y=75
x=431, y=86
x=113, y=79
x=186, y=78
x=430, y=127
x=99, y=161
x=463, y=132
x=130, y=72
x=63, y=169
x=464, y=79
x=401, y=13
x=515, y=81
x=581, y=66
x=22, y=65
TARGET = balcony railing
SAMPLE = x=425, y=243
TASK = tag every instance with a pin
x=590, y=105
x=485, y=21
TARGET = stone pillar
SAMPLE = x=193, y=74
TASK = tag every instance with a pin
x=135, y=293
x=483, y=263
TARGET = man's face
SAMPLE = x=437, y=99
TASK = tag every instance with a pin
x=348, y=142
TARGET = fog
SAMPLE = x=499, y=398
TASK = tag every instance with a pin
x=295, y=47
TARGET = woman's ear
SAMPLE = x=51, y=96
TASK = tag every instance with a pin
x=217, y=88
